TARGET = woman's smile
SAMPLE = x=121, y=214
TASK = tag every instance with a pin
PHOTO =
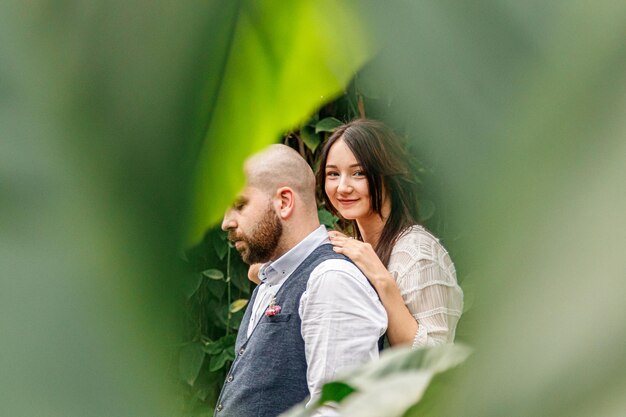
x=346, y=202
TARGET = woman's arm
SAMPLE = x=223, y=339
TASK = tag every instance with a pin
x=425, y=303
x=430, y=291
x=402, y=326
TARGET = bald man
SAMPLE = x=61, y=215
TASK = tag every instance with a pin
x=313, y=315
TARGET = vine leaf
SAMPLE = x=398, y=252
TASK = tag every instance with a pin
x=311, y=139
x=328, y=124
x=190, y=362
x=191, y=283
x=217, y=288
x=327, y=218
x=237, y=305
x=217, y=362
x=213, y=274
x=221, y=248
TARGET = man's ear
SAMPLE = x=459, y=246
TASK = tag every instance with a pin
x=285, y=202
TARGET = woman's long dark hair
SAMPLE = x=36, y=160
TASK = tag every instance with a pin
x=388, y=169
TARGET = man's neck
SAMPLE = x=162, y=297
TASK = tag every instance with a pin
x=292, y=236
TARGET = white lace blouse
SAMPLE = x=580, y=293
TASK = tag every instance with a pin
x=427, y=281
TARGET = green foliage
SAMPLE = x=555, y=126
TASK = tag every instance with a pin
x=214, y=256
x=191, y=359
x=518, y=106
x=214, y=312
x=328, y=124
x=211, y=258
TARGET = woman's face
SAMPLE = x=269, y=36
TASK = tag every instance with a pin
x=346, y=185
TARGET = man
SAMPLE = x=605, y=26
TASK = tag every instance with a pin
x=314, y=313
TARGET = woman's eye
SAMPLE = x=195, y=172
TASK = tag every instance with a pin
x=332, y=174
x=359, y=174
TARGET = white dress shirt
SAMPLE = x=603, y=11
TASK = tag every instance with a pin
x=342, y=317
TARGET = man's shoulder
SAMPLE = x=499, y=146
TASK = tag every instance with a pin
x=339, y=271
x=337, y=263
x=338, y=278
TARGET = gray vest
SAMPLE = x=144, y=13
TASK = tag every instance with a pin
x=268, y=375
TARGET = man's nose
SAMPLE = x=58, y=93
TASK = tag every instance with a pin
x=228, y=222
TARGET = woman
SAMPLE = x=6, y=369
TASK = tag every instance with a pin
x=366, y=179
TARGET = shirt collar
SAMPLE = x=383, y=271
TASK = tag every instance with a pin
x=276, y=272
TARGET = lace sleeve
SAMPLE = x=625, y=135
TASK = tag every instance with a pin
x=427, y=281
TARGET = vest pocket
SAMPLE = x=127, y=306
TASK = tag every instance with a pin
x=279, y=318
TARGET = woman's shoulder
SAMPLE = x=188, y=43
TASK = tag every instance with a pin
x=417, y=248
x=419, y=244
x=417, y=237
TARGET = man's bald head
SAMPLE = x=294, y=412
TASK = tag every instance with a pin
x=280, y=166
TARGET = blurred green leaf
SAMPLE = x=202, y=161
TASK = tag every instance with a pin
x=335, y=391
x=328, y=124
x=426, y=209
x=302, y=54
x=191, y=358
x=98, y=106
x=368, y=85
x=525, y=123
x=390, y=386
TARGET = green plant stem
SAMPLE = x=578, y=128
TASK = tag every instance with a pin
x=228, y=291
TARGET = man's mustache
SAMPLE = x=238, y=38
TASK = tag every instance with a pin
x=234, y=237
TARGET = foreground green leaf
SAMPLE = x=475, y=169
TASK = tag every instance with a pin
x=285, y=59
x=390, y=386
x=335, y=391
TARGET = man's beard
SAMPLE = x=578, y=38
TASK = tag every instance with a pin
x=261, y=243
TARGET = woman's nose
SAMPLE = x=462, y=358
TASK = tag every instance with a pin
x=344, y=185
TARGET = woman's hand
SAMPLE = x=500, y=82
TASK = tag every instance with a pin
x=402, y=326
x=253, y=273
x=364, y=256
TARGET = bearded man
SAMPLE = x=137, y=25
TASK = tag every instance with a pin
x=313, y=315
